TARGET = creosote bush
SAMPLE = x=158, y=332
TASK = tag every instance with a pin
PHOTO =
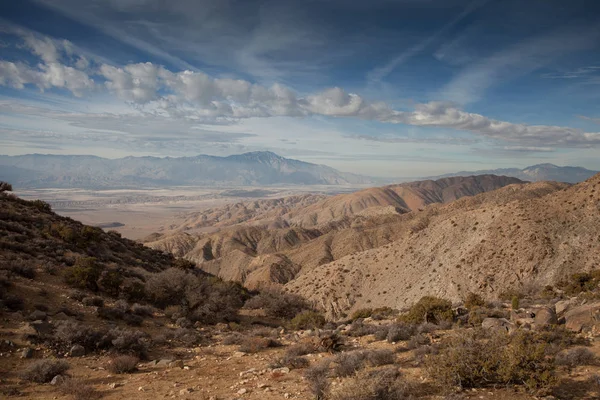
x=381, y=384
x=256, y=344
x=318, y=378
x=429, y=309
x=575, y=357
x=472, y=359
x=308, y=320
x=278, y=303
x=123, y=364
x=84, y=274
x=42, y=371
x=78, y=390
x=473, y=300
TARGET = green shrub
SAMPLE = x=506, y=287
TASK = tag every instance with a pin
x=41, y=205
x=474, y=300
x=308, y=320
x=110, y=282
x=429, y=309
x=472, y=359
x=514, y=303
x=581, y=283
x=84, y=274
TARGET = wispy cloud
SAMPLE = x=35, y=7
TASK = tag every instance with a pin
x=517, y=60
x=379, y=73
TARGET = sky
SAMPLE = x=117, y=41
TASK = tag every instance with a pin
x=390, y=88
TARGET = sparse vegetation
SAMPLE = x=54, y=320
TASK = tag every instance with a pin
x=429, y=309
x=123, y=364
x=278, y=304
x=42, y=371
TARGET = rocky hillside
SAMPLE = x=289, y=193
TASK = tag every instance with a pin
x=256, y=168
x=297, y=236
x=516, y=237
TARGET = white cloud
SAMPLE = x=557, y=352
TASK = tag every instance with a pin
x=200, y=98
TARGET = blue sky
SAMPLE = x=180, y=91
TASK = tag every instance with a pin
x=379, y=87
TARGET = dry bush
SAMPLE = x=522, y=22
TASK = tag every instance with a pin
x=384, y=384
x=69, y=333
x=400, y=331
x=43, y=371
x=418, y=341
x=265, y=332
x=142, y=310
x=78, y=390
x=348, y=363
x=318, y=379
x=233, y=338
x=575, y=357
x=129, y=341
x=359, y=328
x=429, y=309
x=277, y=303
x=300, y=349
x=473, y=300
x=474, y=359
x=92, y=301
x=123, y=364
x=294, y=362
x=256, y=344
x=20, y=268
x=307, y=320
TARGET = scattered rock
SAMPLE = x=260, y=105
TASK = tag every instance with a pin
x=57, y=380
x=176, y=364
x=77, y=351
x=584, y=318
x=242, y=391
x=545, y=316
x=563, y=305
x=42, y=327
x=497, y=324
x=115, y=385
x=27, y=353
x=165, y=362
x=284, y=370
x=238, y=354
x=183, y=392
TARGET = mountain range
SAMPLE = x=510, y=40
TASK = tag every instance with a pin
x=260, y=168
x=535, y=173
x=255, y=168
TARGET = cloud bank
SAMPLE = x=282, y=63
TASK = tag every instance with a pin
x=198, y=97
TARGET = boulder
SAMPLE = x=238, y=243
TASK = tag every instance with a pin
x=42, y=327
x=77, y=351
x=545, y=316
x=501, y=324
x=563, y=305
x=57, y=380
x=584, y=318
x=27, y=353
x=38, y=315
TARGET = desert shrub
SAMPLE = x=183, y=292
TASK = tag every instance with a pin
x=84, y=274
x=418, y=341
x=233, y=338
x=173, y=312
x=361, y=313
x=278, y=304
x=132, y=319
x=294, y=362
x=359, y=328
x=13, y=302
x=110, y=282
x=78, y=390
x=93, y=301
x=168, y=287
x=41, y=205
x=317, y=378
x=400, y=331
x=429, y=309
x=110, y=313
x=348, y=363
x=121, y=306
x=183, y=264
x=514, y=302
x=5, y=187
x=129, y=341
x=331, y=342
x=473, y=300
x=142, y=310
x=581, y=282
x=560, y=337
x=308, y=320
x=76, y=295
x=187, y=337
x=300, y=349
x=183, y=322
x=256, y=344
x=42, y=371
x=575, y=357
x=123, y=364
x=22, y=269
x=383, y=384
x=90, y=233
x=133, y=289
x=469, y=359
